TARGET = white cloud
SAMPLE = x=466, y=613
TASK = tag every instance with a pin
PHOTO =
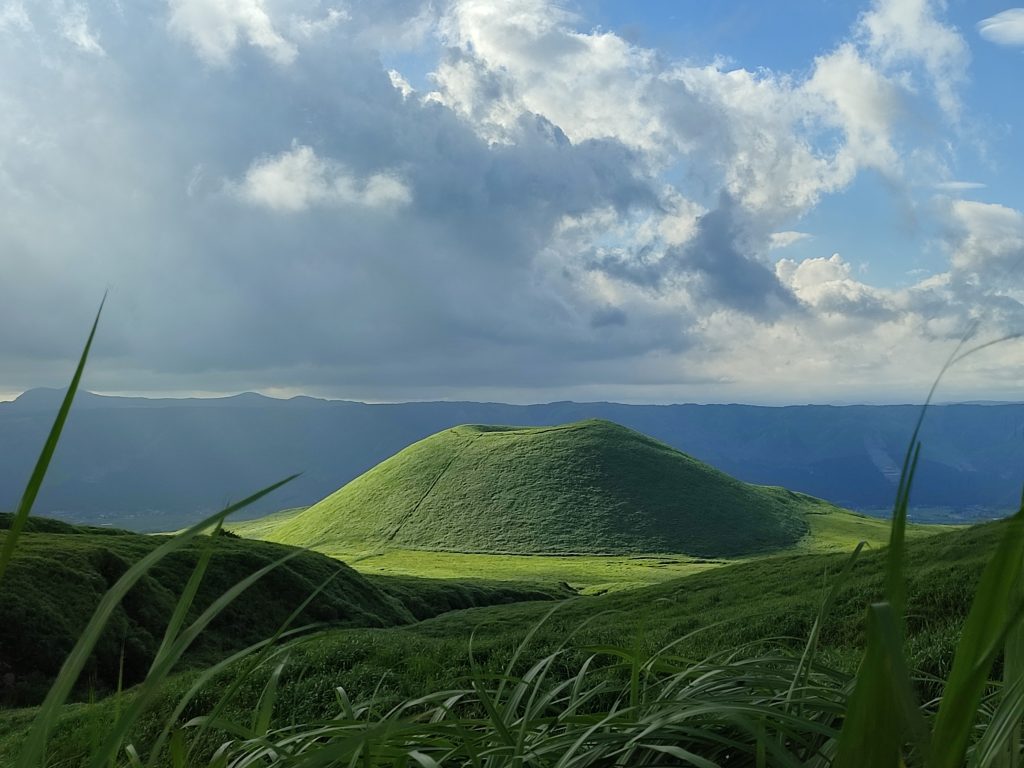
x=215, y=28
x=74, y=23
x=987, y=236
x=909, y=31
x=309, y=28
x=867, y=105
x=400, y=84
x=297, y=179
x=14, y=17
x=1005, y=28
x=828, y=285
x=764, y=137
x=957, y=186
x=786, y=238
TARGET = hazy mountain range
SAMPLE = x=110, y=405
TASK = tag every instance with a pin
x=153, y=464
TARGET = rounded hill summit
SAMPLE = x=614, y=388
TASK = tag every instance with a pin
x=592, y=487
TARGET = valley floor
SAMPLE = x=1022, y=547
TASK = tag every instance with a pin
x=830, y=531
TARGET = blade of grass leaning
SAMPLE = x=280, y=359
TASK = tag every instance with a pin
x=265, y=710
x=869, y=702
x=262, y=651
x=147, y=691
x=260, y=648
x=882, y=714
x=994, y=601
x=895, y=580
x=803, y=670
x=35, y=481
x=32, y=753
x=188, y=596
x=1013, y=676
x=999, y=745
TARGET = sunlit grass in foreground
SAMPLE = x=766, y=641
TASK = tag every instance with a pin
x=741, y=707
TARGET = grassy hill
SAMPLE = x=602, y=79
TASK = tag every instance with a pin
x=592, y=487
x=770, y=602
x=60, y=572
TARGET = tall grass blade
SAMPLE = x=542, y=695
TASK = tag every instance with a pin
x=164, y=664
x=810, y=649
x=32, y=753
x=264, y=648
x=1013, y=675
x=28, y=498
x=265, y=711
x=882, y=714
x=895, y=579
x=188, y=596
x=1000, y=743
x=260, y=648
x=986, y=627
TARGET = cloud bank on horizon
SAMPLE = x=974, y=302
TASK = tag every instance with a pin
x=506, y=200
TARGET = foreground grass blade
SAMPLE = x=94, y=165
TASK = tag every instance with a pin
x=254, y=655
x=811, y=648
x=994, y=605
x=882, y=714
x=895, y=579
x=163, y=666
x=188, y=596
x=42, y=464
x=1000, y=744
x=32, y=753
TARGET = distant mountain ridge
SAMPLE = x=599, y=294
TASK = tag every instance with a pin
x=155, y=464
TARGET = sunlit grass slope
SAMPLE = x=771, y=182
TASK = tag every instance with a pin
x=830, y=530
x=590, y=487
x=769, y=601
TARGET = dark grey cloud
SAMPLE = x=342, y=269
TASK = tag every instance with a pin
x=729, y=273
x=128, y=186
x=720, y=261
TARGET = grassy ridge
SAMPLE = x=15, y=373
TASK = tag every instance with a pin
x=56, y=580
x=589, y=487
x=59, y=572
x=785, y=593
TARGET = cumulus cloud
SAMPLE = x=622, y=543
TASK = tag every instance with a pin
x=14, y=16
x=215, y=28
x=557, y=212
x=986, y=235
x=787, y=238
x=75, y=28
x=298, y=179
x=910, y=32
x=1005, y=28
x=867, y=106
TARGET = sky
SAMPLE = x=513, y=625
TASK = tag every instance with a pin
x=514, y=200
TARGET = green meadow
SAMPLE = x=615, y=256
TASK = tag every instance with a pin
x=765, y=605
x=828, y=529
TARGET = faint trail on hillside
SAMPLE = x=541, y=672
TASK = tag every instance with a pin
x=433, y=484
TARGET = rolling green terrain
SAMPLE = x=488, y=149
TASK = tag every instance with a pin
x=501, y=503
x=766, y=603
x=592, y=487
x=60, y=572
x=830, y=530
